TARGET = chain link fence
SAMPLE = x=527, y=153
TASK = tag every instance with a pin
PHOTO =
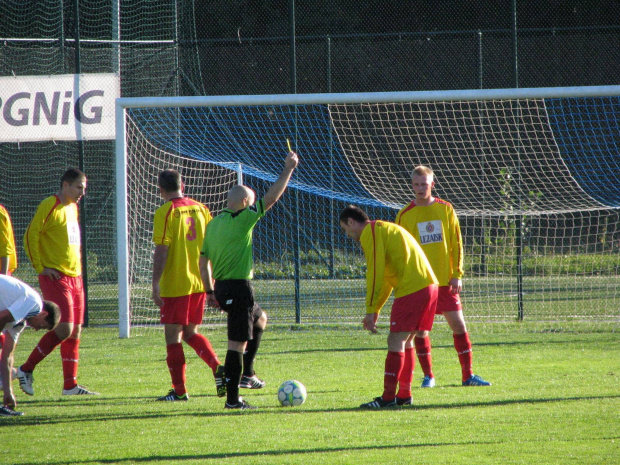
x=183, y=47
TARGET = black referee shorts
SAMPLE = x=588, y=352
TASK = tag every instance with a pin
x=236, y=298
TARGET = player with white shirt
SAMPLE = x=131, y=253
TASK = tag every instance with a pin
x=20, y=305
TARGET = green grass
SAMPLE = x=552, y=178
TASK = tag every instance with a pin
x=555, y=400
x=493, y=298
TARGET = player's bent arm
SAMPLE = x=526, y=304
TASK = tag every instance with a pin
x=31, y=240
x=207, y=281
x=51, y=272
x=5, y=317
x=455, y=245
x=277, y=188
x=160, y=256
x=205, y=273
x=6, y=366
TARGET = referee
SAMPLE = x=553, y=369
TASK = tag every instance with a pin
x=228, y=248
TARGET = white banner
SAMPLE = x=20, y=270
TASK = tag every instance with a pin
x=61, y=107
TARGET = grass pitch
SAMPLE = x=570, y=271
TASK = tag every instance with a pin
x=555, y=400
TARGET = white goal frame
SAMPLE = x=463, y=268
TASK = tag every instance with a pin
x=122, y=104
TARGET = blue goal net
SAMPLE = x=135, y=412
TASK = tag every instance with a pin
x=536, y=184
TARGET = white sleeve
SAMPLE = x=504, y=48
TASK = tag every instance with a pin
x=15, y=331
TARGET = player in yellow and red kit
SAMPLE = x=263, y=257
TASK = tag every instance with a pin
x=178, y=231
x=8, y=252
x=396, y=262
x=435, y=226
x=53, y=245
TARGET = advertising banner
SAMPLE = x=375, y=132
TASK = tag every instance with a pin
x=61, y=107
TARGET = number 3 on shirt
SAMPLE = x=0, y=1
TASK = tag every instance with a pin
x=191, y=233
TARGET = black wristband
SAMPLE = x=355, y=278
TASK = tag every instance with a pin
x=210, y=292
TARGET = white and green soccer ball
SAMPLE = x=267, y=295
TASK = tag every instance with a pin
x=291, y=393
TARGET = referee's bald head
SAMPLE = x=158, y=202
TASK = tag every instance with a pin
x=240, y=197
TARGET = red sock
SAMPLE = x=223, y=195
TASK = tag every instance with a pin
x=393, y=366
x=406, y=374
x=1, y=340
x=203, y=348
x=176, y=365
x=462, y=344
x=423, y=349
x=69, y=353
x=48, y=342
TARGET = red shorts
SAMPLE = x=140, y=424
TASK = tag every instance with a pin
x=66, y=292
x=447, y=302
x=183, y=310
x=414, y=312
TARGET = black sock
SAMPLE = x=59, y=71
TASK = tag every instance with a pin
x=250, y=352
x=232, y=366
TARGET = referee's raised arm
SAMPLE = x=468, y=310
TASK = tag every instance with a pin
x=277, y=188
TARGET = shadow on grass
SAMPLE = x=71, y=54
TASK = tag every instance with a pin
x=272, y=453
x=438, y=346
x=28, y=420
x=261, y=453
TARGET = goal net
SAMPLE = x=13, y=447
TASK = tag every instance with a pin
x=533, y=175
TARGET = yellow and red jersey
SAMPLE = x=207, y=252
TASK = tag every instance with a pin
x=180, y=225
x=437, y=230
x=7, y=239
x=394, y=260
x=52, y=239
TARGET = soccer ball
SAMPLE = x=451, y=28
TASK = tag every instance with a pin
x=292, y=393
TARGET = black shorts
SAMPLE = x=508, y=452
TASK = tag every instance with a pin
x=236, y=298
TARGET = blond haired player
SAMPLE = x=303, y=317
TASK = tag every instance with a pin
x=178, y=231
x=435, y=226
x=53, y=245
x=396, y=262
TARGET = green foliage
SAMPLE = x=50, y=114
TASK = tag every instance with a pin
x=99, y=272
x=315, y=263
x=511, y=220
x=499, y=260
x=539, y=265
x=554, y=400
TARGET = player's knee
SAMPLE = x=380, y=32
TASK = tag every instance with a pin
x=64, y=330
x=458, y=327
x=262, y=321
x=187, y=335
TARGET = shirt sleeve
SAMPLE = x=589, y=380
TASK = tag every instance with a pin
x=159, y=225
x=208, y=216
x=6, y=244
x=377, y=288
x=456, y=245
x=31, y=238
x=15, y=331
x=255, y=213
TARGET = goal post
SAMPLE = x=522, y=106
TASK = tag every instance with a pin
x=532, y=173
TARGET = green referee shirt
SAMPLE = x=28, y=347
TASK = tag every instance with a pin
x=228, y=242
